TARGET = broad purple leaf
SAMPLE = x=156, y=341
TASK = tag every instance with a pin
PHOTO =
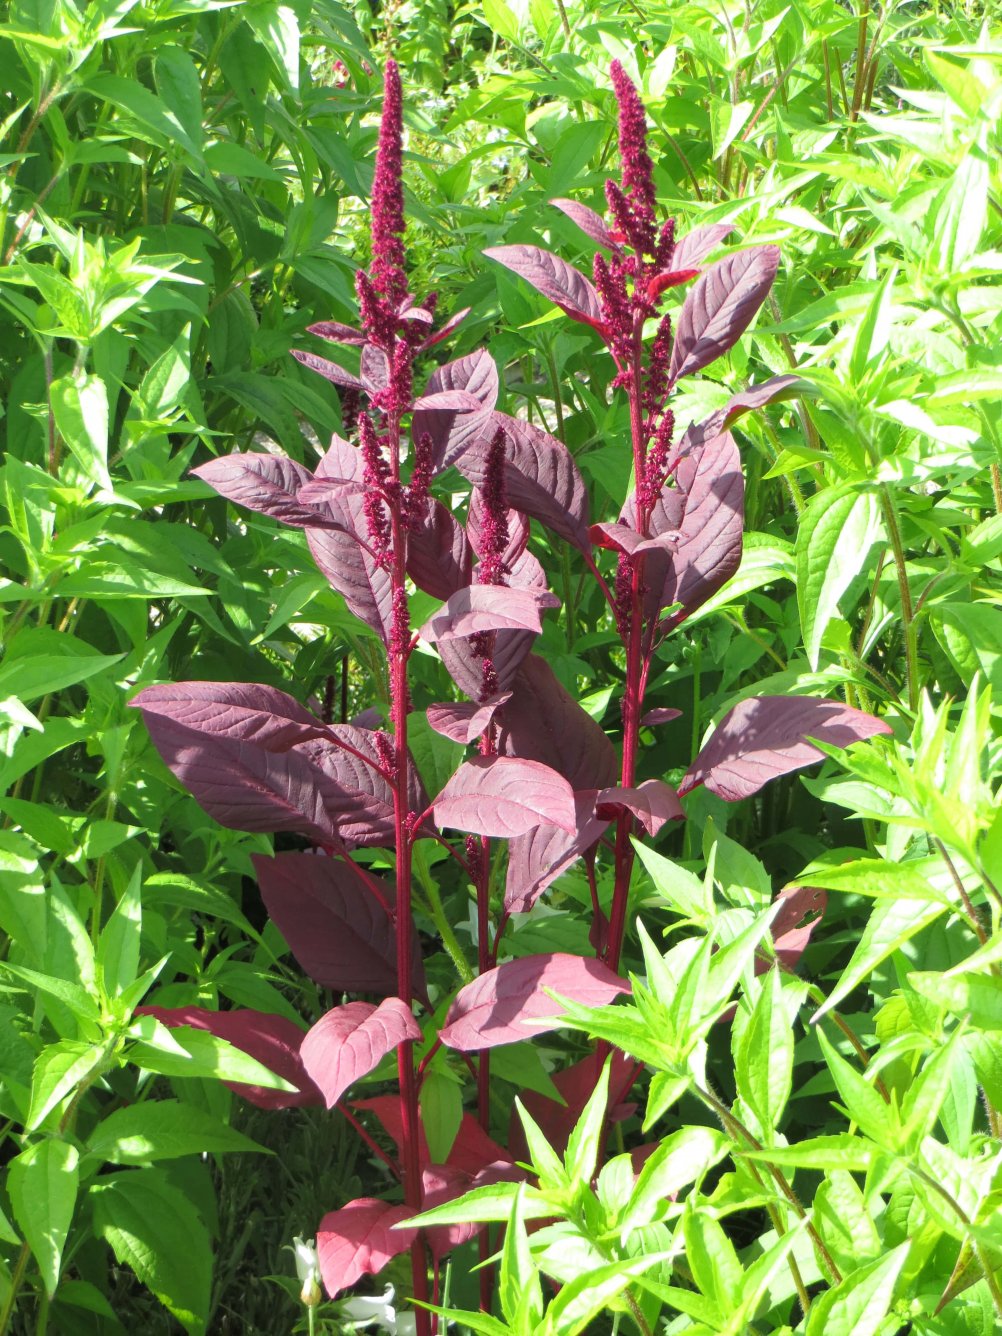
x=464, y=721
x=339, y=933
x=766, y=736
x=653, y=803
x=449, y=401
x=555, y=279
x=770, y=391
x=268, y=484
x=697, y=244
x=418, y=314
x=273, y=1040
x=245, y=787
x=540, y=476
x=337, y=375
x=720, y=307
x=526, y=572
x=538, y=858
x=358, y=1240
x=508, y=1003
x=341, y=462
x=350, y=1041
x=466, y=667
x=443, y=332
x=542, y=722
x=592, y=224
x=517, y=523
x=480, y=608
x=450, y=431
x=660, y=715
x=335, y=332
x=351, y=569
x=503, y=796
x=439, y=559
x=244, y=711
x=374, y=369
x=364, y=804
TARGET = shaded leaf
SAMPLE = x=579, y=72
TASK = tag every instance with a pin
x=439, y=559
x=464, y=721
x=358, y=1240
x=451, y=432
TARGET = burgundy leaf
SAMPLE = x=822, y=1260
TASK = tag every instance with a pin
x=526, y=572
x=503, y=796
x=670, y=278
x=542, y=722
x=439, y=559
x=445, y=1182
x=538, y=858
x=245, y=787
x=488, y=608
x=321, y=493
x=339, y=933
x=517, y=523
x=464, y=721
x=771, y=391
x=329, y=370
x=341, y=462
x=508, y=1003
x=450, y=401
x=720, y=307
x=273, y=1040
x=661, y=715
x=375, y=369
x=540, y=476
x=351, y=569
x=576, y=1084
x=245, y=711
x=653, y=803
x=388, y=1109
x=443, y=332
x=350, y=1041
x=766, y=736
x=358, y=1240
x=466, y=666
x=420, y=314
x=801, y=910
x=555, y=279
x=364, y=804
x=591, y=223
x=452, y=432
x=473, y=1150
x=697, y=244
x=335, y=332
x=268, y=484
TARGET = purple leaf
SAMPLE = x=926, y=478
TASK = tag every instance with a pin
x=801, y=910
x=337, y=930
x=720, y=307
x=591, y=223
x=508, y=1003
x=443, y=332
x=364, y=805
x=488, y=608
x=329, y=370
x=555, y=279
x=449, y=401
x=358, y=1240
x=268, y=484
x=540, y=476
x=538, y=858
x=766, y=736
x=653, y=803
x=770, y=391
x=246, y=711
x=452, y=432
x=419, y=314
x=526, y=572
x=504, y=796
x=439, y=559
x=542, y=722
x=341, y=462
x=661, y=715
x=374, y=369
x=697, y=244
x=464, y=721
x=518, y=529
x=350, y=1041
x=273, y=1040
x=351, y=569
x=335, y=332
x=466, y=667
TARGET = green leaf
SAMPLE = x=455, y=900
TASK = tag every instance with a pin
x=152, y=120
x=872, y=340
x=877, y=1120
x=43, y=1182
x=591, y=1293
x=687, y=894
x=763, y=1055
x=72, y=995
x=180, y=91
x=441, y=1106
x=163, y=1129
x=118, y=950
x=184, y=1051
x=584, y=1142
x=958, y=217
x=840, y=1151
x=33, y=675
x=976, y=996
x=154, y=1229
x=712, y=1260
x=681, y=1158
x=58, y=1070
x=834, y=534
x=519, y=1289
x=80, y=409
x=482, y=1205
x=858, y=1306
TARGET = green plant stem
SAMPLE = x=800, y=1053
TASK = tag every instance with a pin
x=16, y=1281
x=439, y=917
x=890, y=513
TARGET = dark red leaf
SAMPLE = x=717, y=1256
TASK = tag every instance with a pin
x=653, y=803
x=473, y=1150
x=659, y=716
x=350, y=568
x=339, y=933
x=452, y=432
x=720, y=307
x=480, y=608
x=542, y=722
x=540, y=476
x=671, y=278
x=576, y=1084
x=443, y=332
x=337, y=375
x=538, y=858
x=697, y=244
x=466, y=667
x=766, y=736
x=557, y=280
x=364, y=807
x=388, y=1109
x=464, y=721
x=268, y=484
x=358, y=1240
x=350, y=1041
x=246, y=711
x=801, y=910
x=439, y=559
x=335, y=332
x=273, y=1040
x=375, y=369
x=517, y=523
x=591, y=223
x=449, y=401
x=503, y=796
x=508, y=1003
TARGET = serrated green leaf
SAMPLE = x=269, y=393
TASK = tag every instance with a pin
x=42, y=1182
x=858, y=1306
x=834, y=534
x=164, y=1129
